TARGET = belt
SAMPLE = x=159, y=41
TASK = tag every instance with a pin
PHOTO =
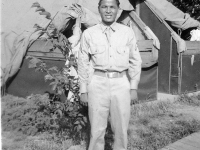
x=109, y=74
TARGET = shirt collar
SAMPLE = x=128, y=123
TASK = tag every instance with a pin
x=113, y=27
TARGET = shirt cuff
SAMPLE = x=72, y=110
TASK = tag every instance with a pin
x=83, y=88
x=134, y=84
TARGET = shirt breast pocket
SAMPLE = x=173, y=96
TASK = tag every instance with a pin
x=99, y=55
x=122, y=56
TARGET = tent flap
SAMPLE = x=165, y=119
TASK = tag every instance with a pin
x=167, y=11
x=13, y=50
x=181, y=45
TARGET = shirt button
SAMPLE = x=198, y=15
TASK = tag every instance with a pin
x=110, y=66
x=110, y=56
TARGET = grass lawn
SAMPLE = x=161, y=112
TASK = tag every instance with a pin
x=156, y=124
x=153, y=125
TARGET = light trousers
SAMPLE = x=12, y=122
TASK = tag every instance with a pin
x=109, y=96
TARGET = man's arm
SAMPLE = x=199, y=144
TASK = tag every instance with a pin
x=134, y=69
x=83, y=67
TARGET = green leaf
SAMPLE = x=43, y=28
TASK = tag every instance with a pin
x=48, y=77
x=59, y=112
x=54, y=87
x=29, y=57
x=85, y=119
x=75, y=128
x=37, y=27
x=70, y=108
x=47, y=14
x=53, y=83
x=40, y=9
x=59, y=90
x=37, y=69
x=80, y=115
x=79, y=127
x=36, y=4
x=77, y=122
x=83, y=123
x=33, y=62
x=55, y=68
x=31, y=65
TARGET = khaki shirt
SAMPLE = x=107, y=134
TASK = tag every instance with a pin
x=118, y=53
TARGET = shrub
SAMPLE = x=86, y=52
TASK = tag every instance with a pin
x=190, y=100
x=37, y=113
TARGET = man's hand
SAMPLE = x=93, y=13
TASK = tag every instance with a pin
x=84, y=99
x=134, y=97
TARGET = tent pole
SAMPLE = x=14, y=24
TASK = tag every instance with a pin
x=179, y=72
x=170, y=66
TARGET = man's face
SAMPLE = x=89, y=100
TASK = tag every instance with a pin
x=108, y=10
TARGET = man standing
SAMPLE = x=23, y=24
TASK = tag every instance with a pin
x=112, y=50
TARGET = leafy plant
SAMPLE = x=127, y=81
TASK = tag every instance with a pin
x=193, y=100
x=38, y=113
x=70, y=115
x=29, y=116
x=47, y=113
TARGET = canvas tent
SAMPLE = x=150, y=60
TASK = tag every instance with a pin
x=31, y=42
x=179, y=59
x=20, y=39
x=19, y=19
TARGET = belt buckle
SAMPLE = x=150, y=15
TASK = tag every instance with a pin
x=112, y=74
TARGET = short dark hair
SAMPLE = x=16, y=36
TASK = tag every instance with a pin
x=117, y=1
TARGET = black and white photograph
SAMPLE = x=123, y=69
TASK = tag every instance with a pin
x=100, y=74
